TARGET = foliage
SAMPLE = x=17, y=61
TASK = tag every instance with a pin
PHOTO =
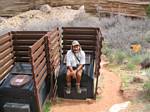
x=133, y=61
x=108, y=52
x=126, y=79
x=130, y=66
x=47, y=106
x=147, y=89
x=148, y=11
x=119, y=56
x=147, y=37
x=136, y=59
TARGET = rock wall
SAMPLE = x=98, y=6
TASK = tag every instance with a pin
x=14, y=7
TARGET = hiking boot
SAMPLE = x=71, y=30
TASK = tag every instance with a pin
x=68, y=90
x=78, y=90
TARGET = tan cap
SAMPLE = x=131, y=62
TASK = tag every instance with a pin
x=75, y=42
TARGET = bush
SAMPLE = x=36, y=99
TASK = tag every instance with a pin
x=147, y=37
x=147, y=89
x=148, y=11
x=131, y=66
x=136, y=59
x=119, y=56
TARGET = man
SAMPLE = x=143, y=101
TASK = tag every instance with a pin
x=75, y=60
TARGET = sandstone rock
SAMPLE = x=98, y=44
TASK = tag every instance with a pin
x=90, y=101
x=45, y=8
x=99, y=91
x=2, y=19
x=138, y=79
x=145, y=63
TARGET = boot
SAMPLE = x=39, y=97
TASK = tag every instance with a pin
x=68, y=90
x=78, y=89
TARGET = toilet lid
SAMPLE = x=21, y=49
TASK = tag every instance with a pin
x=20, y=80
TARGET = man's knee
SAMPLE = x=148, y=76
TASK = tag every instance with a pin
x=79, y=73
x=68, y=73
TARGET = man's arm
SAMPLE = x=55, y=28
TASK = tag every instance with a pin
x=70, y=68
x=79, y=67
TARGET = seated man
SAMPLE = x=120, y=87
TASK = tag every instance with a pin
x=75, y=60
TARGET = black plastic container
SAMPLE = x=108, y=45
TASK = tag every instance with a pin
x=24, y=94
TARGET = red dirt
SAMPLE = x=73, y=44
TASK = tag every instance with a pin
x=109, y=96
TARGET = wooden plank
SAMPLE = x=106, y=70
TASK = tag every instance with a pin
x=82, y=42
x=5, y=46
x=53, y=52
x=28, y=32
x=54, y=46
x=36, y=45
x=78, y=37
x=24, y=42
x=66, y=47
x=81, y=31
x=5, y=53
x=5, y=39
x=39, y=68
x=21, y=53
x=21, y=48
x=41, y=81
x=40, y=75
x=74, y=32
x=6, y=59
x=27, y=37
x=86, y=52
x=5, y=72
x=56, y=39
x=7, y=65
x=22, y=59
x=54, y=56
x=79, y=28
x=38, y=52
x=38, y=61
x=52, y=35
x=56, y=63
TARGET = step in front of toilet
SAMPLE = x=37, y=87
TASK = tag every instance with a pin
x=75, y=95
x=16, y=107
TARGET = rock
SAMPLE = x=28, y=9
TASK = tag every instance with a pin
x=125, y=62
x=119, y=107
x=99, y=91
x=138, y=79
x=145, y=63
x=90, y=101
x=45, y=8
x=2, y=19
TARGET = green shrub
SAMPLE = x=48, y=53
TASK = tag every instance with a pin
x=147, y=89
x=47, y=106
x=136, y=59
x=148, y=11
x=126, y=81
x=108, y=52
x=147, y=37
x=130, y=66
x=119, y=56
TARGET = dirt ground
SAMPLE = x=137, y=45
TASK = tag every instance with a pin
x=110, y=95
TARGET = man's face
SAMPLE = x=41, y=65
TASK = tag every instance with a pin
x=76, y=48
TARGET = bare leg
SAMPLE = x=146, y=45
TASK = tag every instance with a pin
x=79, y=74
x=68, y=79
x=78, y=79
